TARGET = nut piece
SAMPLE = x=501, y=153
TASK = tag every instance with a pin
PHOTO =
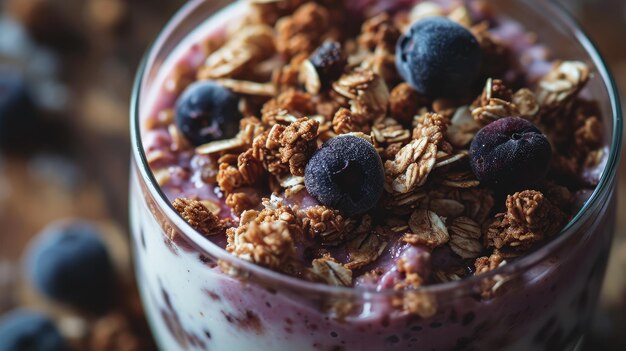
x=198, y=216
x=464, y=237
x=427, y=228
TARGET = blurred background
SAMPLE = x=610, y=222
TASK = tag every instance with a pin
x=68, y=154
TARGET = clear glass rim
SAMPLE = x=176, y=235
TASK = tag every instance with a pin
x=604, y=186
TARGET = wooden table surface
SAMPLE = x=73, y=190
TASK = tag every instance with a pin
x=86, y=173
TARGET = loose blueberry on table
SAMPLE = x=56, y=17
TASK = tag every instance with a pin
x=24, y=330
x=69, y=263
x=18, y=115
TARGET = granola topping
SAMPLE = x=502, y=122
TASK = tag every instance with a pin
x=268, y=244
x=198, y=216
x=411, y=166
x=332, y=272
x=427, y=228
x=486, y=264
x=529, y=218
x=367, y=93
x=286, y=149
x=561, y=85
x=364, y=249
x=252, y=44
x=303, y=78
x=464, y=237
x=326, y=224
x=302, y=32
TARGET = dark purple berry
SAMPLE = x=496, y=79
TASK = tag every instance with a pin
x=19, y=121
x=328, y=61
x=206, y=111
x=510, y=154
x=69, y=263
x=439, y=58
x=347, y=174
x=24, y=330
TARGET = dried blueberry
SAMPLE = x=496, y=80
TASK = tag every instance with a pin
x=439, y=58
x=347, y=174
x=24, y=330
x=509, y=154
x=328, y=61
x=206, y=111
x=69, y=263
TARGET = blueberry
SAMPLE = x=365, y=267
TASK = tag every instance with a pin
x=328, y=61
x=206, y=111
x=69, y=263
x=24, y=330
x=510, y=154
x=439, y=58
x=18, y=117
x=347, y=174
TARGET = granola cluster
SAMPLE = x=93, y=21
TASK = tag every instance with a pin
x=529, y=219
x=431, y=199
x=198, y=216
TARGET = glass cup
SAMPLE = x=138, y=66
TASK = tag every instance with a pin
x=541, y=301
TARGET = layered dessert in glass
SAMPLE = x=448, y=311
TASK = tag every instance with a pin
x=368, y=175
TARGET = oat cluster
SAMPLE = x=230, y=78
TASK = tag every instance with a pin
x=432, y=199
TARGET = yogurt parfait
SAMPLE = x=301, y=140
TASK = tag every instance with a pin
x=372, y=175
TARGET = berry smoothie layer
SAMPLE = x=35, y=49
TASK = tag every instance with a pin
x=378, y=147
